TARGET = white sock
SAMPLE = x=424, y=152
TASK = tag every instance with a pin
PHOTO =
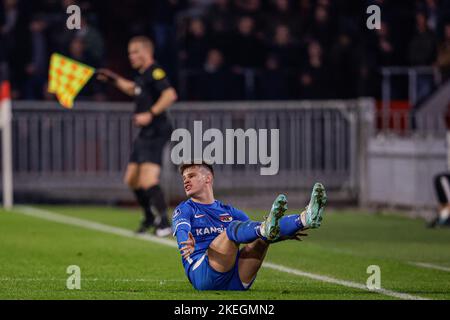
x=444, y=214
x=303, y=218
x=261, y=230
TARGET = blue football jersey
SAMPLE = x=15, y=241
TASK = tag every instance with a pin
x=205, y=222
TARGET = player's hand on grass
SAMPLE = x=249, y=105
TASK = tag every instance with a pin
x=143, y=119
x=106, y=75
x=189, y=246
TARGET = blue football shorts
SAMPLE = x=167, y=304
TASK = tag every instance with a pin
x=204, y=277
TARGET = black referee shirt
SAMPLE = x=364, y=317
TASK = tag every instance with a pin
x=149, y=86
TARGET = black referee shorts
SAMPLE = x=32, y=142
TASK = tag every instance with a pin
x=149, y=144
x=442, y=186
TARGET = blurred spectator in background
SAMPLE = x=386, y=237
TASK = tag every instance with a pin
x=247, y=48
x=13, y=41
x=430, y=8
x=303, y=14
x=198, y=7
x=195, y=45
x=251, y=8
x=164, y=33
x=273, y=82
x=385, y=49
x=321, y=28
x=221, y=20
x=220, y=16
x=443, y=58
x=254, y=37
x=314, y=75
x=37, y=68
x=2, y=49
x=422, y=52
x=422, y=49
x=77, y=51
x=280, y=13
x=60, y=34
x=284, y=47
x=93, y=41
x=10, y=15
x=214, y=82
x=343, y=67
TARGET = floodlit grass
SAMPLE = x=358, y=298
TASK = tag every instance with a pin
x=34, y=255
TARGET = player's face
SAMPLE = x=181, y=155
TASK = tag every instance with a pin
x=195, y=180
x=137, y=54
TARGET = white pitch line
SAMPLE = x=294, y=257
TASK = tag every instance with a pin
x=430, y=266
x=345, y=283
x=47, y=215
x=50, y=216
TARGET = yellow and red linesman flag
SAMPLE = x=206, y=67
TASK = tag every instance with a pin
x=66, y=78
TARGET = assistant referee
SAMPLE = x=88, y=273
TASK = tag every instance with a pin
x=153, y=95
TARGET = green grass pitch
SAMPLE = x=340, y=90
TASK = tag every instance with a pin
x=35, y=253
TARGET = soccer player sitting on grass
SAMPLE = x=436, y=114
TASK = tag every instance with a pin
x=209, y=233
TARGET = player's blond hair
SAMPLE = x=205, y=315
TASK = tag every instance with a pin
x=145, y=41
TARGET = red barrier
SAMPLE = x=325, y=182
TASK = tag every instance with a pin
x=5, y=91
x=398, y=116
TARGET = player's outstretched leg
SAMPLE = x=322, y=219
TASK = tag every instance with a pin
x=270, y=228
x=223, y=249
x=311, y=218
x=249, y=231
x=252, y=255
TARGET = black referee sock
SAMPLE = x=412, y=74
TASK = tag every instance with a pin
x=156, y=196
x=144, y=201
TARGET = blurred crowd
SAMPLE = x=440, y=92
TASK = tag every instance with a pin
x=231, y=49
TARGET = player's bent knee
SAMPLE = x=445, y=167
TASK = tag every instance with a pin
x=222, y=253
x=221, y=262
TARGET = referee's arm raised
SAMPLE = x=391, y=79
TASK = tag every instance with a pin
x=124, y=85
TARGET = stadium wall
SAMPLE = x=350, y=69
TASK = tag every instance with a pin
x=80, y=154
x=401, y=171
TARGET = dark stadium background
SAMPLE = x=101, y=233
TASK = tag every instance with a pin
x=250, y=55
x=298, y=49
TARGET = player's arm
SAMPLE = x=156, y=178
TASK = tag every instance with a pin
x=124, y=85
x=181, y=225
